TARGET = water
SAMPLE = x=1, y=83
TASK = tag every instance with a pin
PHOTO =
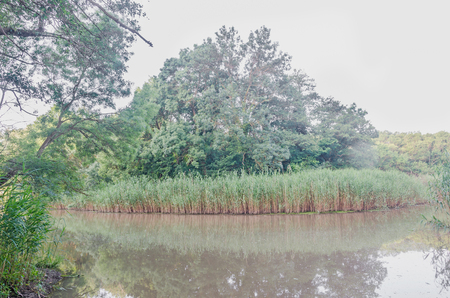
x=371, y=254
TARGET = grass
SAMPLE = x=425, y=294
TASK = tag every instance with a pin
x=25, y=225
x=308, y=191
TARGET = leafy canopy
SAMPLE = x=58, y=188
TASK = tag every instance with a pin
x=38, y=36
x=229, y=104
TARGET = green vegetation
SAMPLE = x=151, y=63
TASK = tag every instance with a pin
x=25, y=225
x=412, y=153
x=72, y=56
x=226, y=105
x=314, y=190
x=440, y=195
x=231, y=104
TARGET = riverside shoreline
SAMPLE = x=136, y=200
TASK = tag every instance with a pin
x=43, y=287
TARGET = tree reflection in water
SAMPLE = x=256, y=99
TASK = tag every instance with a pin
x=143, y=255
x=440, y=259
x=161, y=272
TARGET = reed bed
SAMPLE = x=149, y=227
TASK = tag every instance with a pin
x=308, y=191
x=25, y=224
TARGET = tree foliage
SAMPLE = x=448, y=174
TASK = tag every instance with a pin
x=413, y=153
x=71, y=55
x=37, y=37
x=229, y=104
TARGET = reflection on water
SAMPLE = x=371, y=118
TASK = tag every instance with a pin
x=331, y=255
x=440, y=259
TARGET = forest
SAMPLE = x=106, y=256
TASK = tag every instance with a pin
x=227, y=126
x=226, y=105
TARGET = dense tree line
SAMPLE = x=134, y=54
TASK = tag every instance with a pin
x=413, y=153
x=227, y=104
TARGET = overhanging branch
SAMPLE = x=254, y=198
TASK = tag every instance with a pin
x=112, y=17
x=8, y=31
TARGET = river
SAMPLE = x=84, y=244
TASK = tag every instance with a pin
x=368, y=254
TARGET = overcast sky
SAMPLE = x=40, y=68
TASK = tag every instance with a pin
x=391, y=58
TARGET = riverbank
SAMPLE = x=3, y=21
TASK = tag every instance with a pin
x=307, y=191
x=41, y=288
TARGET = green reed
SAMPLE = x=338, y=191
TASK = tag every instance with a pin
x=308, y=191
x=24, y=227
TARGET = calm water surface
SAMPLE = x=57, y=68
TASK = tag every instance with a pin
x=372, y=254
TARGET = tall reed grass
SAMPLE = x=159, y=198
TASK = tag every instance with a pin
x=440, y=195
x=309, y=191
x=24, y=226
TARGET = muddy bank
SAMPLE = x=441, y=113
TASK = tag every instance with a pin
x=41, y=288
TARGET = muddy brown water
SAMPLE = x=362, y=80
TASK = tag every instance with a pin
x=369, y=254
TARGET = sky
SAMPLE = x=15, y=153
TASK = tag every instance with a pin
x=391, y=58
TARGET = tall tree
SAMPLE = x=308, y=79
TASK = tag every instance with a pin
x=229, y=104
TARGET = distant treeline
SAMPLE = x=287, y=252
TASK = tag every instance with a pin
x=412, y=153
